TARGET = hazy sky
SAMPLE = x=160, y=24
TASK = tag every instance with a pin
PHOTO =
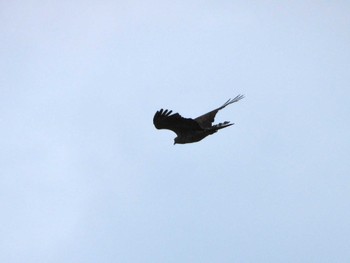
x=85, y=176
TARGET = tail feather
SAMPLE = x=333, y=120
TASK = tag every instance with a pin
x=219, y=126
x=222, y=125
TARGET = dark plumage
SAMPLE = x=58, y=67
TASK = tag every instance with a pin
x=191, y=130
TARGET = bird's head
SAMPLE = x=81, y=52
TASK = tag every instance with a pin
x=179, y=140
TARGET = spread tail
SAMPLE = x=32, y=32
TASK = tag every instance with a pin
x=222, y=125
x=219, y=126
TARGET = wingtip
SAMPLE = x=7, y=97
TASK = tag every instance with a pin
x=237, y=98
x=164, y=112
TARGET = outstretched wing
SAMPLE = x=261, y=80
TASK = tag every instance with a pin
x=207, y=119
x=164, y=120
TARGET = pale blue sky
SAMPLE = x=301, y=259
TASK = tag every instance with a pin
x=85, y=176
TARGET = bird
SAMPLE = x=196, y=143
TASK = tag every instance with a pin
x=191, y=130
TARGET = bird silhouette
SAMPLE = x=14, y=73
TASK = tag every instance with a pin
x=191, y=130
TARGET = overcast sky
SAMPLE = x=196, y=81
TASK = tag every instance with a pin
x=85, y=176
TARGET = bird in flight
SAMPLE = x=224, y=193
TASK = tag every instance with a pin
x=191, y=130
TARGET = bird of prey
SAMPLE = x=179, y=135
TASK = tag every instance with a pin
x=191, y=130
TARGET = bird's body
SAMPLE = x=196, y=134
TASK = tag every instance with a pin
x=191, y=130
